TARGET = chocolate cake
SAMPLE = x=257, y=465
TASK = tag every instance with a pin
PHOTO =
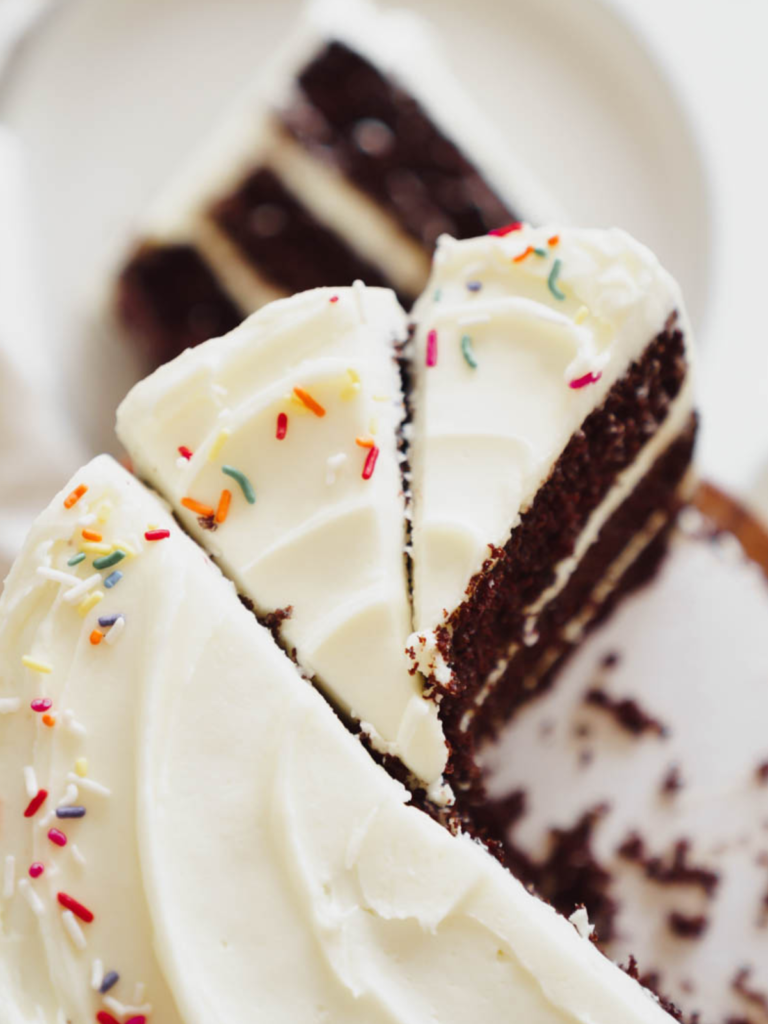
x=551, y=438
x=352, y=153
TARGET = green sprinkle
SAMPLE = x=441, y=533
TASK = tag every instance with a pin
x=552, y=280
x=242, y=479
x=109, y=560
x=438, y=295
x=466, y=351
x=77, y=559
x=541, y=252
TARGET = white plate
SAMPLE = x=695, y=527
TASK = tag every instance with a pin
x=110, y=97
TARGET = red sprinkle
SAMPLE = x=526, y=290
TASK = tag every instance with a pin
x=588, y=378
x=41, y=703
x=370, y=462
x=184, y=451
x=141, y=1019
x=57, y=837
x=106, y=1018
x=282, y=424
x=77, y=908
x=432, y=348
x=157, y=534
x=507, y=229
x=36, y=803
x=334, y=298
x=36, y=869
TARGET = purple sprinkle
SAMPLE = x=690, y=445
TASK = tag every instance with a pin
x=113, y=579
x=110, y=979
x=108, y=620
x=72, y=811
x=474, y=286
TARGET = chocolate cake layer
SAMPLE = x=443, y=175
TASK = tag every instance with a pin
x=284, y=242
x=168, y=296
x=481, y=629
x=379, y=137
x=535, y=666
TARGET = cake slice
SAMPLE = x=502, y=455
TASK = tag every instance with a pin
x=277, y=446
x=348, y=157
x=224, y=849
x=552, y=433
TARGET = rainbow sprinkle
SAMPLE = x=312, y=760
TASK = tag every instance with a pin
x=552, y=280
x=306, y=399
x=37, y=666
x=245, y=484
x=156, y=534
x=70, y=903
x=581, y=315
x=474, y=286
x=432, y=348
x=553, y=240
x=370, y=462
x=582, y=382
x=107, y=561
x=57, y=837
x=282, y=426
x=41, y=704
x=523, y=255
x=36, y=869
x=184, y=452
x=466, y=351
x=113, y=579
x=77, y=559
x=205, y=511
x=90, y=602
x=96, y=637
x=218, y=444
x=223, y=508
x=365, y=442
x=70, y=811
x=109, y=980
x=74, y=496
x=36, y=803
x=506, y=229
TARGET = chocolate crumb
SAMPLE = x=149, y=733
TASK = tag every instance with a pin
x=208, y=523
x=676, y=872
x=627, y=712
x=610, y=660
x=651, y=982
x=274, y=620
x=740, y=986
x=762, y=773
x=685, y=926
x=247, y=603
x=672, y=781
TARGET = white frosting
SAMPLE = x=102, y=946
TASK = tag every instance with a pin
x=319, y=538
x=486, y=437
x=249, y=856
x=692, y=653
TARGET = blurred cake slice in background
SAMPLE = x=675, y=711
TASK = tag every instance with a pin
x=639, y=784
x=353, y=152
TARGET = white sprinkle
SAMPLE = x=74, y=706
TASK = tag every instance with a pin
x=97, y=975
x=115, y=630
x=138, y=991
x=334, y=463
x=76, y=854
x=53, y=869
x=9, y=704
x=69, y=796
x=125, y=1009
x=31, y=897
x=358, y=290
x=89, y=784
x=67, y=578
x=71, y=723
x=61, y=1017
x=9, y=876
x=87, y=520
x=46, y=818
x=474, y=318
x=181, y=462
x=73, y=929
x=30, y=780
x=76, y=592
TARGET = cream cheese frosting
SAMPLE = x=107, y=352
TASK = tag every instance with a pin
x=519, y=336
x=325, y=532
x=241, y=856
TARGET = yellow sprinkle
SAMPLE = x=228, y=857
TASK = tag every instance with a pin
x=90, y=602
x=581, y=315
x=218, y=444
x=129, y=549
x=381, y=398
x=297, y=406
x=374, y=425
x=96, y=548
x=104, y=510
x=37, y=666
x=351, y=385
x=81, y=767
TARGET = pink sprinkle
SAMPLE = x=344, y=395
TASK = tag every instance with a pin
x=588, y=378
x=157, y=534
x=507, y=229
x=106, y=1018
x=36, y=869
x=333, y=298
x=282, y=424
x=370, y=462
x=57, y=837
x=36, y=803
x=432, y=348
x=185, y=452
x=41, y=703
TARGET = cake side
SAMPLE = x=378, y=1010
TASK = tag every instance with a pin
x=302, y=405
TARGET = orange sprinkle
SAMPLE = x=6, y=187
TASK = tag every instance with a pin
x=75, y=496
x=364, y=442
x=223, y=510
x=553, y=240
x=307, y=399
x=49, y=720
x=198, y=508
x=522, y=255
x=92, y=535
x=96, y=637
